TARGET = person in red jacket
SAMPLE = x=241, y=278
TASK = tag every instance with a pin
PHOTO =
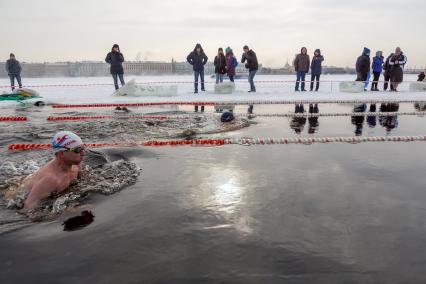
x=231, y=63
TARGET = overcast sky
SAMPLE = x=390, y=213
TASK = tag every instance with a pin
x=64, y=30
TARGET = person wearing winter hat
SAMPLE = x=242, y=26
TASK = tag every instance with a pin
x=316, y=69
x=377, y=67
x=13, y=69
x=197, y=58
x=231, y=63
x=301, y=65
x=59, y=173
x=115, y=58
x=363, y=66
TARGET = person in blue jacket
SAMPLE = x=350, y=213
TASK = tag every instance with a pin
x=316, y=69
x=197, y=58
x=377, y=67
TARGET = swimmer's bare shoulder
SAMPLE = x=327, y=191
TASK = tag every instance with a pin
x=41, y=188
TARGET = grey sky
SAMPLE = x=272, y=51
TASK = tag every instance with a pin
x=61, y=30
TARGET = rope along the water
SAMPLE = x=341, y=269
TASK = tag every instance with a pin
x=190, y=116
x=218, y=103
x=239, y=141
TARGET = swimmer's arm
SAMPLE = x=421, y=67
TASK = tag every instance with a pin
x=41, y=189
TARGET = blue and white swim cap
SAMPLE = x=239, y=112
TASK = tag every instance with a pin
x=65, y=140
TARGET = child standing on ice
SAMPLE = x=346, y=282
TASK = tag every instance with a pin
x=231, y=63
x=377, y=70
x=220, y=65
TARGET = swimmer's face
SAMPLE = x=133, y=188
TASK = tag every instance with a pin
x=72, y=157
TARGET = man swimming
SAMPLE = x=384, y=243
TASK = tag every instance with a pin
x=59, y=173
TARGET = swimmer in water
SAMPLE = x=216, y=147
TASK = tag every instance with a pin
x=59, y=173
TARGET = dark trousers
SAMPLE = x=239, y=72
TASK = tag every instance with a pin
x=361, y=77
x=300, y=77
x=313, y=78
x=387, y=79
x=231, y=78
x=12, y=80
x=252, y=73
x=198, y=74
x=375, y=84
x=115, y=77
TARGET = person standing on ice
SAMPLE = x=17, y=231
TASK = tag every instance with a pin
x=13, y=69
x=377, y=67
x=301, y=65
x=363, y=67
x=387, y=74
x=197, y=58
x=115, y=58
x=316, y=69
x=231, y=63
x=220, y=65
x=397, y=63
x=421, y=76
x=252, y=65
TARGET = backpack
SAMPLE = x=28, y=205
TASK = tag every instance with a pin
x=234, y=61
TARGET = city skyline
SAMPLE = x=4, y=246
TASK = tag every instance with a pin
x=54, y=31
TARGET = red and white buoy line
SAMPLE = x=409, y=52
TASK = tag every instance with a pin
x=191, y=116
x=99, y=117
x=235, y=141
x=13, y=118
x=233, y=103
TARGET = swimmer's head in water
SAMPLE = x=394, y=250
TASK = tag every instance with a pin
x=68, y=146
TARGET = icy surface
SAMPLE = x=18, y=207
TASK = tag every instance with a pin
x=267, y=89
x=132, y=89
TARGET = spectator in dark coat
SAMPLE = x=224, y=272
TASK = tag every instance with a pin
x=13, y=69
x=115, y=58
x=397, y=62
x=387, y=73
x=197, y=58
x=316, y=69
x=421, y=77
x=377, y=67
x=301, y=64
x=231, y=63
x=220, y=65
x=252, y=65
x=363, y=65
